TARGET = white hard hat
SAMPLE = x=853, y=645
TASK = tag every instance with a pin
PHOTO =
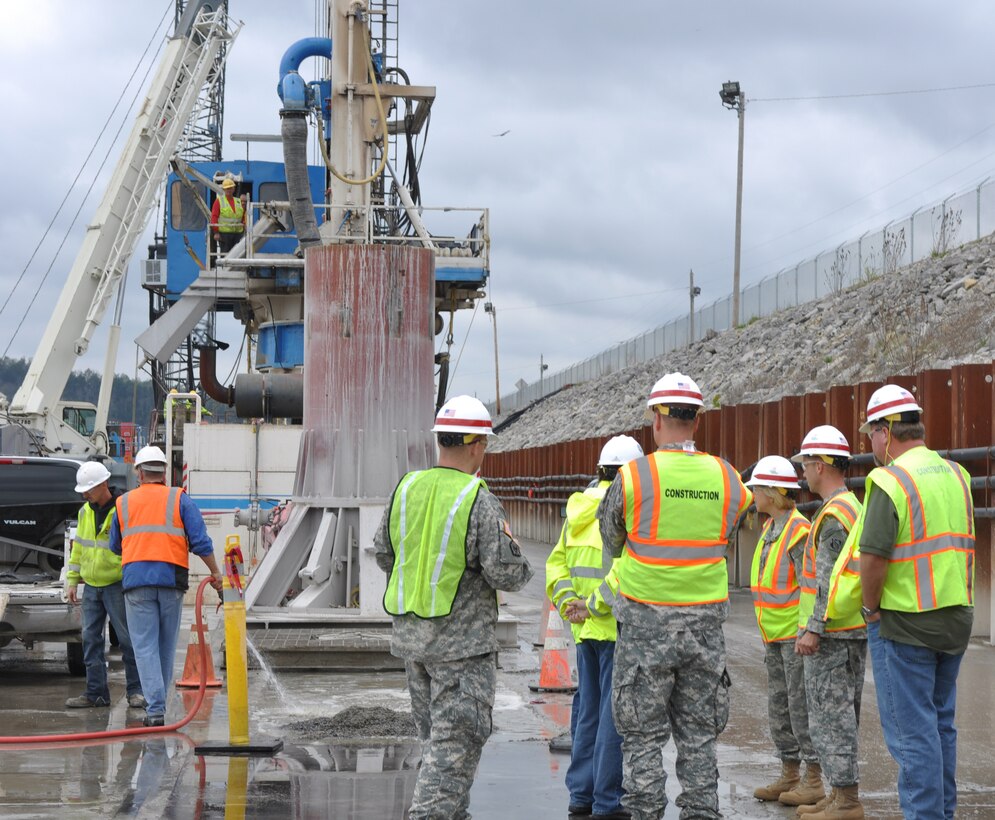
x=674, y=388
x=888, y=403
x=89, y=475
x=619, y=450
x=824, y=440
x=149, y=457
x=774, y=471
x=463, y=414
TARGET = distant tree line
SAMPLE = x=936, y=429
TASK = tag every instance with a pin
x=131, y=400
x=85, y=386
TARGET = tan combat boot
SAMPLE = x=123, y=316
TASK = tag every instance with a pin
x=846, y=806
x=810, y=790
x=788, y=780
x=803, y=811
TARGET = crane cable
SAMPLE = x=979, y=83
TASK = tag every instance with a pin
x=383, y=121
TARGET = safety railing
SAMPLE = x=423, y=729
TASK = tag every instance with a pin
x=376, y=224
x=928, y=231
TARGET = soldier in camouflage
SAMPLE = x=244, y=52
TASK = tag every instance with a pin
x=777, y=566
x=669, y=516
x=834, y=652
x=446, y=546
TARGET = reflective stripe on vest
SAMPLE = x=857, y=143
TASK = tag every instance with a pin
x=844, y=508
x=776, y=592
x=679, y=510
x=428, y=524
x=230, y=219
x=932, y=566
x=151, y=526
x=845, y=596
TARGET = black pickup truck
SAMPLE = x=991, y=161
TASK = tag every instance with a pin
x=38, y=499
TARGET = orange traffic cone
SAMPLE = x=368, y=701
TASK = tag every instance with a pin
x=191, y=667
x=554, y=670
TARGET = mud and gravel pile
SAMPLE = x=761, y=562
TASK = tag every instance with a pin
x=934, y=314
x=356, y=722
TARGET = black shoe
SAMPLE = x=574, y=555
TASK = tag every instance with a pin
x=154, y=720
x=618, y=814
x=578, y=811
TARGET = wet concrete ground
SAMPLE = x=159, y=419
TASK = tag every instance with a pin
x=161, y=776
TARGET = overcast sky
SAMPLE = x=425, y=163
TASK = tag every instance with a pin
x=618, y=173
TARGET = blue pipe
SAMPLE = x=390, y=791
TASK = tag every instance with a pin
x=292, y=88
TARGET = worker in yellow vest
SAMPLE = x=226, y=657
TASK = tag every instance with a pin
x=227, y=217
x=445, y=544
x=579, y=587
x=774, y=581
x=670, y=515
x=834, y=651
x=915, y=547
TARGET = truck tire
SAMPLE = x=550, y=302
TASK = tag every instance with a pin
x=74, y=659
x=52, y=564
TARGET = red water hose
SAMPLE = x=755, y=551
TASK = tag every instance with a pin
x=140, y=730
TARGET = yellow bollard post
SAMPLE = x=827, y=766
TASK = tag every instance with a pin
x=236, y=654
x=236, y=660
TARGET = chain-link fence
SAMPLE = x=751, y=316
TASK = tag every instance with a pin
x=927, y=231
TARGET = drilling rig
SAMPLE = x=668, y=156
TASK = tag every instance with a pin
x=342, y=280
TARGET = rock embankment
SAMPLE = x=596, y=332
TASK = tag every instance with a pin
x=934, y=314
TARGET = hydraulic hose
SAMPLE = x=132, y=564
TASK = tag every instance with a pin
x=138, y=730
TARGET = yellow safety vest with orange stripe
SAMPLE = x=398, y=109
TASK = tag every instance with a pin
x=932, y=566
x=680, y=508
x=776, y=592
x=151, y=526
x=844, y=508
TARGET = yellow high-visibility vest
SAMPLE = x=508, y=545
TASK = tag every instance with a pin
x=776, y=592
x=575, y=568
x=680, y=508
x=229, y=218
x=932, y=566
x=845, y=508
x=428, y=525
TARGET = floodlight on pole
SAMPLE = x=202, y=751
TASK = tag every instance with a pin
x=732, y=97
x=543, y=367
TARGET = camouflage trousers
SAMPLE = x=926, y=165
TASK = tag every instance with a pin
x=786, y=703
x=670, y=684
x=451, y=703
x=834, y=681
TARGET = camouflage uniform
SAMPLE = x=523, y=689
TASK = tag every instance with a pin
x=786, y=704
x=451, y=661
x=834, y=675
x=669, y=679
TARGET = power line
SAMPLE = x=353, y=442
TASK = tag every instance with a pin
x=873, y=93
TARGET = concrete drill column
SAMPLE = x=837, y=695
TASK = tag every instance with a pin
x=368, y=367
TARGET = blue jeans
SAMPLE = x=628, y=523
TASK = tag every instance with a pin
x=99, y=604
x=154, y=621
x=917, y=691
x=595, y=774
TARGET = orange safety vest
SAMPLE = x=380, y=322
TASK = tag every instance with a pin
x=151, y=526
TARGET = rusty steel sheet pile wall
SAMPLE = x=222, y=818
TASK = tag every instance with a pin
x=368, y=409
x=534, y=484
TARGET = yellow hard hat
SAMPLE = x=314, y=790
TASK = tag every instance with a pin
x=228, y=183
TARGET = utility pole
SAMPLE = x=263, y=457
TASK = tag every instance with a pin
x=542, y=368
x=733, y=97
x=693, y=292
x=489, y=308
